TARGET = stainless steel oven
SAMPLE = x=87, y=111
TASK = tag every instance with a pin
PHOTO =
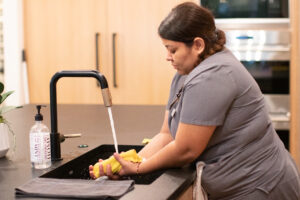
x=266, y=55
x=258, y=33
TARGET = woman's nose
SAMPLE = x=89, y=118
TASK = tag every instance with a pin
x=169, y=57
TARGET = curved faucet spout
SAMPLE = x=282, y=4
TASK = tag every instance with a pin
x=55, y=136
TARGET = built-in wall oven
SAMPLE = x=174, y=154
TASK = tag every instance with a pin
x=258, y=33
x=266, y=55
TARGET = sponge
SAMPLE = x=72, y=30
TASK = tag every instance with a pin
x=130, y=155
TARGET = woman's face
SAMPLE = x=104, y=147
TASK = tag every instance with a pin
x=183, y=58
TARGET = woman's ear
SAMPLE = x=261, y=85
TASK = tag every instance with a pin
x=199, y=44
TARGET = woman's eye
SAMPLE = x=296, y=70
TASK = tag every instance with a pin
x=172, y=51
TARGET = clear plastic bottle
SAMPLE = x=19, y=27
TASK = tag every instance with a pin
x=40, y=154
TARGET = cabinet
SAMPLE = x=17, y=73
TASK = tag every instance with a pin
x=60, y=35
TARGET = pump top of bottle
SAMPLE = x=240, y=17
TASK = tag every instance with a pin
x=39, y=116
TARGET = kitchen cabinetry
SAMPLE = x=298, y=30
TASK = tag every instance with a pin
x=60, y=35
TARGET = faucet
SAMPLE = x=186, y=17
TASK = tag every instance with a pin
x=55, y=137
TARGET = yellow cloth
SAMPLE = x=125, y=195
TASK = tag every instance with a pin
x=146, y=141
x=130, y=155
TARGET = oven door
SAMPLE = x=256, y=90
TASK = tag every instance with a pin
x=265, y=54
x=271, y=76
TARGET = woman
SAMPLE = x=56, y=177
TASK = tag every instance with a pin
x=215, y=114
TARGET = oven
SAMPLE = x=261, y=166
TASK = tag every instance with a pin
x=258, y=34
x=266, y=55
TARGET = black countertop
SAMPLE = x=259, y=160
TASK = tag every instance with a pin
x=132, y=123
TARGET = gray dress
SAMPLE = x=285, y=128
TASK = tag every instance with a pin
x=244, y=154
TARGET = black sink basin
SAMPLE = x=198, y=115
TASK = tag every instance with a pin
x=78, y=167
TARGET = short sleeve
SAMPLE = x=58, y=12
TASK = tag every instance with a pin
x=207, y=98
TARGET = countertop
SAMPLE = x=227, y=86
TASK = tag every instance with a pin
x=133, y=124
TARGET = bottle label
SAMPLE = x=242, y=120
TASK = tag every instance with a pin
x=40, y=147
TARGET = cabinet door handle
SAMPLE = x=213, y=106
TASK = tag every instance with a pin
x=114, y=59
x=97, y=35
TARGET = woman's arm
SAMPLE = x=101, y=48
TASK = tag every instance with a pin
x=189, y=143
x=158, y=141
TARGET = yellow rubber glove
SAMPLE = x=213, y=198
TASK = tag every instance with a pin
x=130, y=155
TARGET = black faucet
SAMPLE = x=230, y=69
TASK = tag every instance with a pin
x=57, y=138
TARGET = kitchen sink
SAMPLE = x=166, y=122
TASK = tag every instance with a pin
x=78, y=167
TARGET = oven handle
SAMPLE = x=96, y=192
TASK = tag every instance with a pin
x=280, y=116
x=244, y=37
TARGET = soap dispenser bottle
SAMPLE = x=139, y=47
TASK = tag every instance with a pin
x=40, y=152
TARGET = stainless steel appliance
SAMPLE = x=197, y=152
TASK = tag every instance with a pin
x=258, y=33
x=266, y=55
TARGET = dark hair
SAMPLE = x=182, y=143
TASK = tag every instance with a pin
x=189, y=20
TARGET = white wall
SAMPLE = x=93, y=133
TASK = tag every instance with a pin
x=13, y=45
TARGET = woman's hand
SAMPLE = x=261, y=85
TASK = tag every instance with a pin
x=128, y=168
x=101, y=171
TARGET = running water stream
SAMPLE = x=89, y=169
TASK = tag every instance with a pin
x=113, y=128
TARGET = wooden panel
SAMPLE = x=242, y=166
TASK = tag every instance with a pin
x=295, y=82
x=127, y=20
x=60, y=35
x=136, y=40
x=143, y=74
